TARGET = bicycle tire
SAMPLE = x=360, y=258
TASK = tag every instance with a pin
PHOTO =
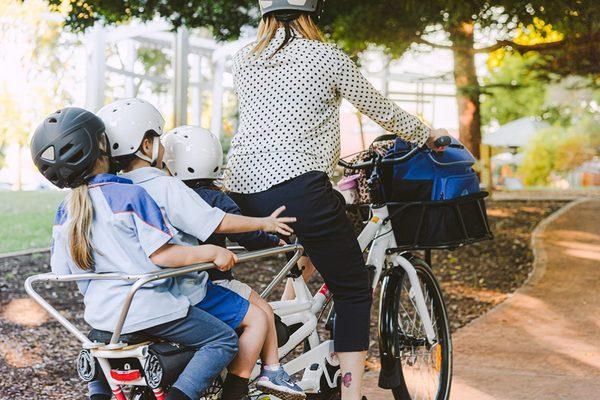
x=406, y=343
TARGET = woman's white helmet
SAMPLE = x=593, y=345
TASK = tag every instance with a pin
x=192, y=153
x=267, y=6
x=127, y=121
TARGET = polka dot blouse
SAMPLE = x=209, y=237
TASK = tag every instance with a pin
x=289, y=106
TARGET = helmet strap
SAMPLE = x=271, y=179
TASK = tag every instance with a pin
x=155, y=147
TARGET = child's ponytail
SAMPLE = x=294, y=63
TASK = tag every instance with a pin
x=81, y=212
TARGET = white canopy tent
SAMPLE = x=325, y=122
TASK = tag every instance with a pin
x=516, y=133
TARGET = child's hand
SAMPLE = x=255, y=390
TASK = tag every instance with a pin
x=282, y=243
x=224, y=259
x=276, y=224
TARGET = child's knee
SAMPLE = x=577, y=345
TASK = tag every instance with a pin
x=256, y=316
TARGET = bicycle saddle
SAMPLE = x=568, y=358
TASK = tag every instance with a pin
x=97, y=335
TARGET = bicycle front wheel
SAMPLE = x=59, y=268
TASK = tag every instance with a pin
x=426, y=368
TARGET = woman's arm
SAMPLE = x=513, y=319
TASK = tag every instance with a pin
x=232, y=223
x=355, y=88
x=175, y=256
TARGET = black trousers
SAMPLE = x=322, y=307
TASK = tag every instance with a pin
x=330, y=241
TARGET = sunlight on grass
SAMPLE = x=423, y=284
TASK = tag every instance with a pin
x=26, y=219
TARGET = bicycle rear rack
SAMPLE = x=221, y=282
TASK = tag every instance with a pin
x=143, y=279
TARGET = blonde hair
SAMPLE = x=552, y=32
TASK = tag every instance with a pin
x=81, y=212
x=303, y=25
x=81, y=216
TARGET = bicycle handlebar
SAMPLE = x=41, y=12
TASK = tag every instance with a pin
x=442, y=141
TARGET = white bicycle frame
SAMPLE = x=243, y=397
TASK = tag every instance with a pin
x=304, y=308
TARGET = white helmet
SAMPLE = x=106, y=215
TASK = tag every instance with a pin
x=192, y=153
x=127, y=121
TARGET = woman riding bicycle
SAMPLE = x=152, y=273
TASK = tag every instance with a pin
x=290, y=85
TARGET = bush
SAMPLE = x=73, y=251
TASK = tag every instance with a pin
x=560, y=150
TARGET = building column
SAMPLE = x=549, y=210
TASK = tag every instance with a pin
x=95, y=45
x=216, y=123
x=181, y=79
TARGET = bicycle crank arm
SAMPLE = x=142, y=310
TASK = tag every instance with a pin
x=416, y=294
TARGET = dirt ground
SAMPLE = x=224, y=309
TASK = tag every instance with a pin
x=37, y=355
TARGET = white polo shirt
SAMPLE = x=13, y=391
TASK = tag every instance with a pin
x=191, y=217
x=128, y=227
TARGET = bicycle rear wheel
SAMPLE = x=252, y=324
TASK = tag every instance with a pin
x=426, y=369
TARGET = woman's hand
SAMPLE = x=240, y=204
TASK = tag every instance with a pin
x=223, y=258
x=435, y=134
x=276, y=224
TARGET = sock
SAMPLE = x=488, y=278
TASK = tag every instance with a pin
x=176, y=394
x=234, y=387
x=100, y=397
x=272, y=367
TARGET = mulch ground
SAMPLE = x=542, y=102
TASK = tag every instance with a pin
x=37, y=355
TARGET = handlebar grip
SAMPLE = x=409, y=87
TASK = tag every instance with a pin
x=443, y=141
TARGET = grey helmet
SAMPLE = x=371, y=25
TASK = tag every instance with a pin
x=309, y=6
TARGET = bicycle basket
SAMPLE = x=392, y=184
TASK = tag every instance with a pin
x=444, y=224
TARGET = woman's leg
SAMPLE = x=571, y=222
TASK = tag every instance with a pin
x=330, y=241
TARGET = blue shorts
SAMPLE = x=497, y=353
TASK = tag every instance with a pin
x=224, y=304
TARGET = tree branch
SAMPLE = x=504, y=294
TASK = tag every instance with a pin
x=420, y=40
x=522, y=47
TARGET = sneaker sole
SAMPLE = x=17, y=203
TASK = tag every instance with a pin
x=281, y=394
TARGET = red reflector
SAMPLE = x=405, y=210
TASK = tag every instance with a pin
x=127, y=375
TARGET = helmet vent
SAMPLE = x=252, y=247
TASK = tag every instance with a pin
x=64, y=149
x=191, y=170
x=186, y=136
x=216, y=169
x=115, y=146
x=52, y=120
x=48, y=154
x=115, y=110
x=76, y=157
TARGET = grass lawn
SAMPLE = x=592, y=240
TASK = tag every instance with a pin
x=26, y=219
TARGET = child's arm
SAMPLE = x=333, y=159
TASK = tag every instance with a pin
x=232, y=223
x=175, y=256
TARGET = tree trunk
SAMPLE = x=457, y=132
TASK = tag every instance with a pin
x=467, y=87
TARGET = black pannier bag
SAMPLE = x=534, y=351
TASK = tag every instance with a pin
x=434, y=198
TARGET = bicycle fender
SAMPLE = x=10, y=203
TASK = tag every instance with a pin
x=391, y=375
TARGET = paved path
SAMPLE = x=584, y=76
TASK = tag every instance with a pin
x=542, y=343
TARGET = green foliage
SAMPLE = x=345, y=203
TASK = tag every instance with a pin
x=515, y=89
x=26, y=219
x=155, y=63
x=559, y=150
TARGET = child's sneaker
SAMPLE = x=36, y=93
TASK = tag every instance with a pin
x=278, y=383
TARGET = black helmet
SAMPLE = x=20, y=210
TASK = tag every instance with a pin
x=66, y=146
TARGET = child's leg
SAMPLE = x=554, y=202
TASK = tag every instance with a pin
x=251, y=342
x=308, y=269
x=216, y=344
x=237, y=312
x=269, y=354
x=273, y=379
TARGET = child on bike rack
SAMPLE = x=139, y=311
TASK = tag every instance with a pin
x=195, y=156
x=134, y=128
x=107, y=224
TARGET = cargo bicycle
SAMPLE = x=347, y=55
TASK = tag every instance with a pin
x=414, y=334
